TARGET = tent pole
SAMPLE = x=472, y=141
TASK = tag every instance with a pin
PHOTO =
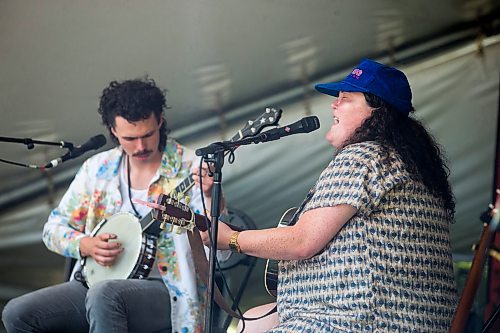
x=493, y=289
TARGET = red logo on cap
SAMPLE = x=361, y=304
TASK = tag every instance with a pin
x=356, y=73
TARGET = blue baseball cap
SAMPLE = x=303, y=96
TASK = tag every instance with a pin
x=388, y=83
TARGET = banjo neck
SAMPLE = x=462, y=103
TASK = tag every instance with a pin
x=269, y=118
x=185, y=185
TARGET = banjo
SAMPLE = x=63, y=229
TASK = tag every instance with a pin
x=139, y=238
x=137, y=258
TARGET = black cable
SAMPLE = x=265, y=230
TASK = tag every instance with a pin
x=209, y=231
x=208, y=226
x=139, y=216
x=20, y=164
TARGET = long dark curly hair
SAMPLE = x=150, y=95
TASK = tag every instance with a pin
x=419, y=151
x=133, y=100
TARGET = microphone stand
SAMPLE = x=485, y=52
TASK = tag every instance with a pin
x=214, y=154
x=218, y=162
x=231, y=145
x=30, y=143
x=216, y=151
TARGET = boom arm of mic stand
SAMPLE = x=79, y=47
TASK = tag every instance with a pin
x=229, y=145
x=30, y=143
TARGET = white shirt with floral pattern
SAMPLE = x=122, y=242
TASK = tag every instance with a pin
x=94, y=195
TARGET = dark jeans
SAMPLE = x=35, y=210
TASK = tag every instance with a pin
x=109, y=306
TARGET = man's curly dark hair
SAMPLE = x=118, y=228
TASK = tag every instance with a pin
x=419, y=151
x=133, y=100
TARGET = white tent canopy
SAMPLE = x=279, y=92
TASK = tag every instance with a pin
x=455, y=95
x=57, y=56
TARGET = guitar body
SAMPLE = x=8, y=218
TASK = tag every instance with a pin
x=271, y=271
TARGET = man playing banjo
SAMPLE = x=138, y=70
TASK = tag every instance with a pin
x=145, y=164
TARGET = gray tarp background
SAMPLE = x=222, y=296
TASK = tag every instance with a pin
x=455, y=94
x=234, y=58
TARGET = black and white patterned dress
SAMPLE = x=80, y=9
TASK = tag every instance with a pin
x=389, y=269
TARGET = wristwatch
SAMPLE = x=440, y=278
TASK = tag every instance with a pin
x=233, y=243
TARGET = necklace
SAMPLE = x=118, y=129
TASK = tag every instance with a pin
x=130, y=191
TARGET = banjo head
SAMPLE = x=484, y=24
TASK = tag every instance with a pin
x=129, y=233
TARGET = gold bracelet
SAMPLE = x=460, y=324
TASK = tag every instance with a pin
x=233, y=243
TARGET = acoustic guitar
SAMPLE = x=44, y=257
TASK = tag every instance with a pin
x=271, y=271
x=170, y=210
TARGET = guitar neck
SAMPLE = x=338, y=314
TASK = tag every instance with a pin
x=201, y=223
x=180, y=214
x=200, y=220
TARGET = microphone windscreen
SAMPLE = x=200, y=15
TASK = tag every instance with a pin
x=310, y=124
x=97, y=141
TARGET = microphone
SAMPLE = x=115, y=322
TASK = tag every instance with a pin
x=94, y=142
x=304, y=125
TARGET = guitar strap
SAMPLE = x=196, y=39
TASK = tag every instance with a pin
x=201, y=266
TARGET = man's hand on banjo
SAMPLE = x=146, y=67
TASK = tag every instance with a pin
x=102, y=248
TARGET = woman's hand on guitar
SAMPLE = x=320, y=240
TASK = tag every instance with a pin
x=102, y=248
x=224, y=234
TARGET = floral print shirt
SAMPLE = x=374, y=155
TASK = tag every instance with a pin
x=94, y=195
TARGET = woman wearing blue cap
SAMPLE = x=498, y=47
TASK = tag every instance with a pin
x=368, y=249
